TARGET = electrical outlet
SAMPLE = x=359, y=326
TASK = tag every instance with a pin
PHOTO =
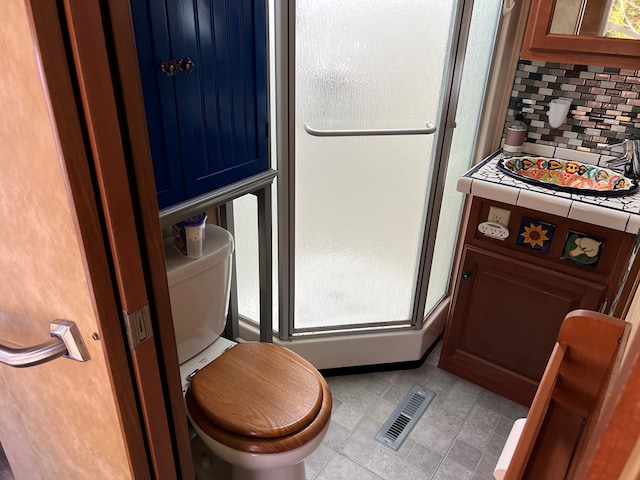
x=499, y=215
x=494, y=230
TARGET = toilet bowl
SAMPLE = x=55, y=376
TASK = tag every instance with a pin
x=260, y=407
x=263, y=425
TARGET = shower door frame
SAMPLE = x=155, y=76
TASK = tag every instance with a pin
x=284, y=35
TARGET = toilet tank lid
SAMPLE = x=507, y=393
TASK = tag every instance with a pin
x=218, y=247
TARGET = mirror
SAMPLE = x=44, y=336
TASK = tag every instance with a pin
x=600, y=18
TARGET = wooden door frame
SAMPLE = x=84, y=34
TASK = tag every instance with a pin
x=75, y=163
x=129, y=87
x=109, y=22
x=78, y=66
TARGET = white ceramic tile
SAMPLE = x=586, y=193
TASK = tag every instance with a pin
x=539, y=149
x=478, y=426
x=595, y=215
x=384, y=464
x=535, y=136
x=464, y=185
x=340, y=467
x=494, y=191
x=586, y=157
x=633, y=225
x=504, y=406
x=487, y=465
x=544, y=203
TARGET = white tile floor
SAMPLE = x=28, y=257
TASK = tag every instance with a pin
x=459, y=437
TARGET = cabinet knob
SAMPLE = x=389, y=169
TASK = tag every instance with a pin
x=186, y=65
x=466, y=275
x=169, y=68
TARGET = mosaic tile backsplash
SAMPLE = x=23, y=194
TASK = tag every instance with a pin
x=605, y=104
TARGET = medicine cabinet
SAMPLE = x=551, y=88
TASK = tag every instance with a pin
x=570, y=32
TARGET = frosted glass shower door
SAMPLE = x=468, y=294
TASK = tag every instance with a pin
x=360, y=200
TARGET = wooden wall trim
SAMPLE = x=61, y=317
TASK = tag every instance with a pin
x=102, y=123
x=128, y=90
x=53, y=61
x=93, y=66
x=127, y=78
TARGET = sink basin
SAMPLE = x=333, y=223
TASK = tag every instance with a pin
x=568, y=176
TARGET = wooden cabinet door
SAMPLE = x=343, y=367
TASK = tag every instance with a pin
x=505, y=318
x=208, y=126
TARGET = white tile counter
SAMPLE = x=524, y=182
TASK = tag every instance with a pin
x=486, y=180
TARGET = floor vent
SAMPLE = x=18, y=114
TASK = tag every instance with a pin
x=405, y=417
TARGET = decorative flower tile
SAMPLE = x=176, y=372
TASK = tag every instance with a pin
x=582, y=248
x=535, y=234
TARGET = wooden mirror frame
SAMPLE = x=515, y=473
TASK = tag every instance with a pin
x=539, y=44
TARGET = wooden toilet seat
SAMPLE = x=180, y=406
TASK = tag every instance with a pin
x=260, y=398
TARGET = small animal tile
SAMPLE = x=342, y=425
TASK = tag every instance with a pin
x=582, y=248
x=535, y=234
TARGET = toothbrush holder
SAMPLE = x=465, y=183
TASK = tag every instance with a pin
x=558, y=110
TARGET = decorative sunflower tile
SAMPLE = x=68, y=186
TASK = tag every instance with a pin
x=535, y=234
x=581, y=248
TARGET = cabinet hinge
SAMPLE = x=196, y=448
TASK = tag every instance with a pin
x=138, y=325
x=603, y=305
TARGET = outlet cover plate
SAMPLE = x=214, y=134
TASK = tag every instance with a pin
x=499, y=215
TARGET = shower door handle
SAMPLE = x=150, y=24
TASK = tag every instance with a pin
x=427, y=130
x=66, y=342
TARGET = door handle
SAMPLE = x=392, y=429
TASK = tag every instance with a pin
x=427, y=130
x=66, y=342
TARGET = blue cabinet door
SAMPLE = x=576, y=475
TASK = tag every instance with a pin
x=153, y=48
x=215, y=116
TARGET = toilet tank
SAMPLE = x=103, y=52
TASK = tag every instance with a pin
x=199, y=291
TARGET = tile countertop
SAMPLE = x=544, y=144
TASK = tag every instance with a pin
x=487, y=181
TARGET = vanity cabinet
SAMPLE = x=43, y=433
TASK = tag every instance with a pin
x=540, y=44
x=510, y=299
x=203, y=69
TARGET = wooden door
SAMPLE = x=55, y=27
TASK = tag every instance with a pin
x=505, y=319
x=75, y=251
x=63, y=419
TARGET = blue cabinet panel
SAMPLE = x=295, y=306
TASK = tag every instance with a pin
x=215, y=117
x=152, y=43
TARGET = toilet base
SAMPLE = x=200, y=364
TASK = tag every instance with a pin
x=291, y=472
x=208, y=466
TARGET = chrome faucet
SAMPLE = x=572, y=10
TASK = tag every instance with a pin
x=630, y=159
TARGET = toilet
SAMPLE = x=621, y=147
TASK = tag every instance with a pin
x=260, y=407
